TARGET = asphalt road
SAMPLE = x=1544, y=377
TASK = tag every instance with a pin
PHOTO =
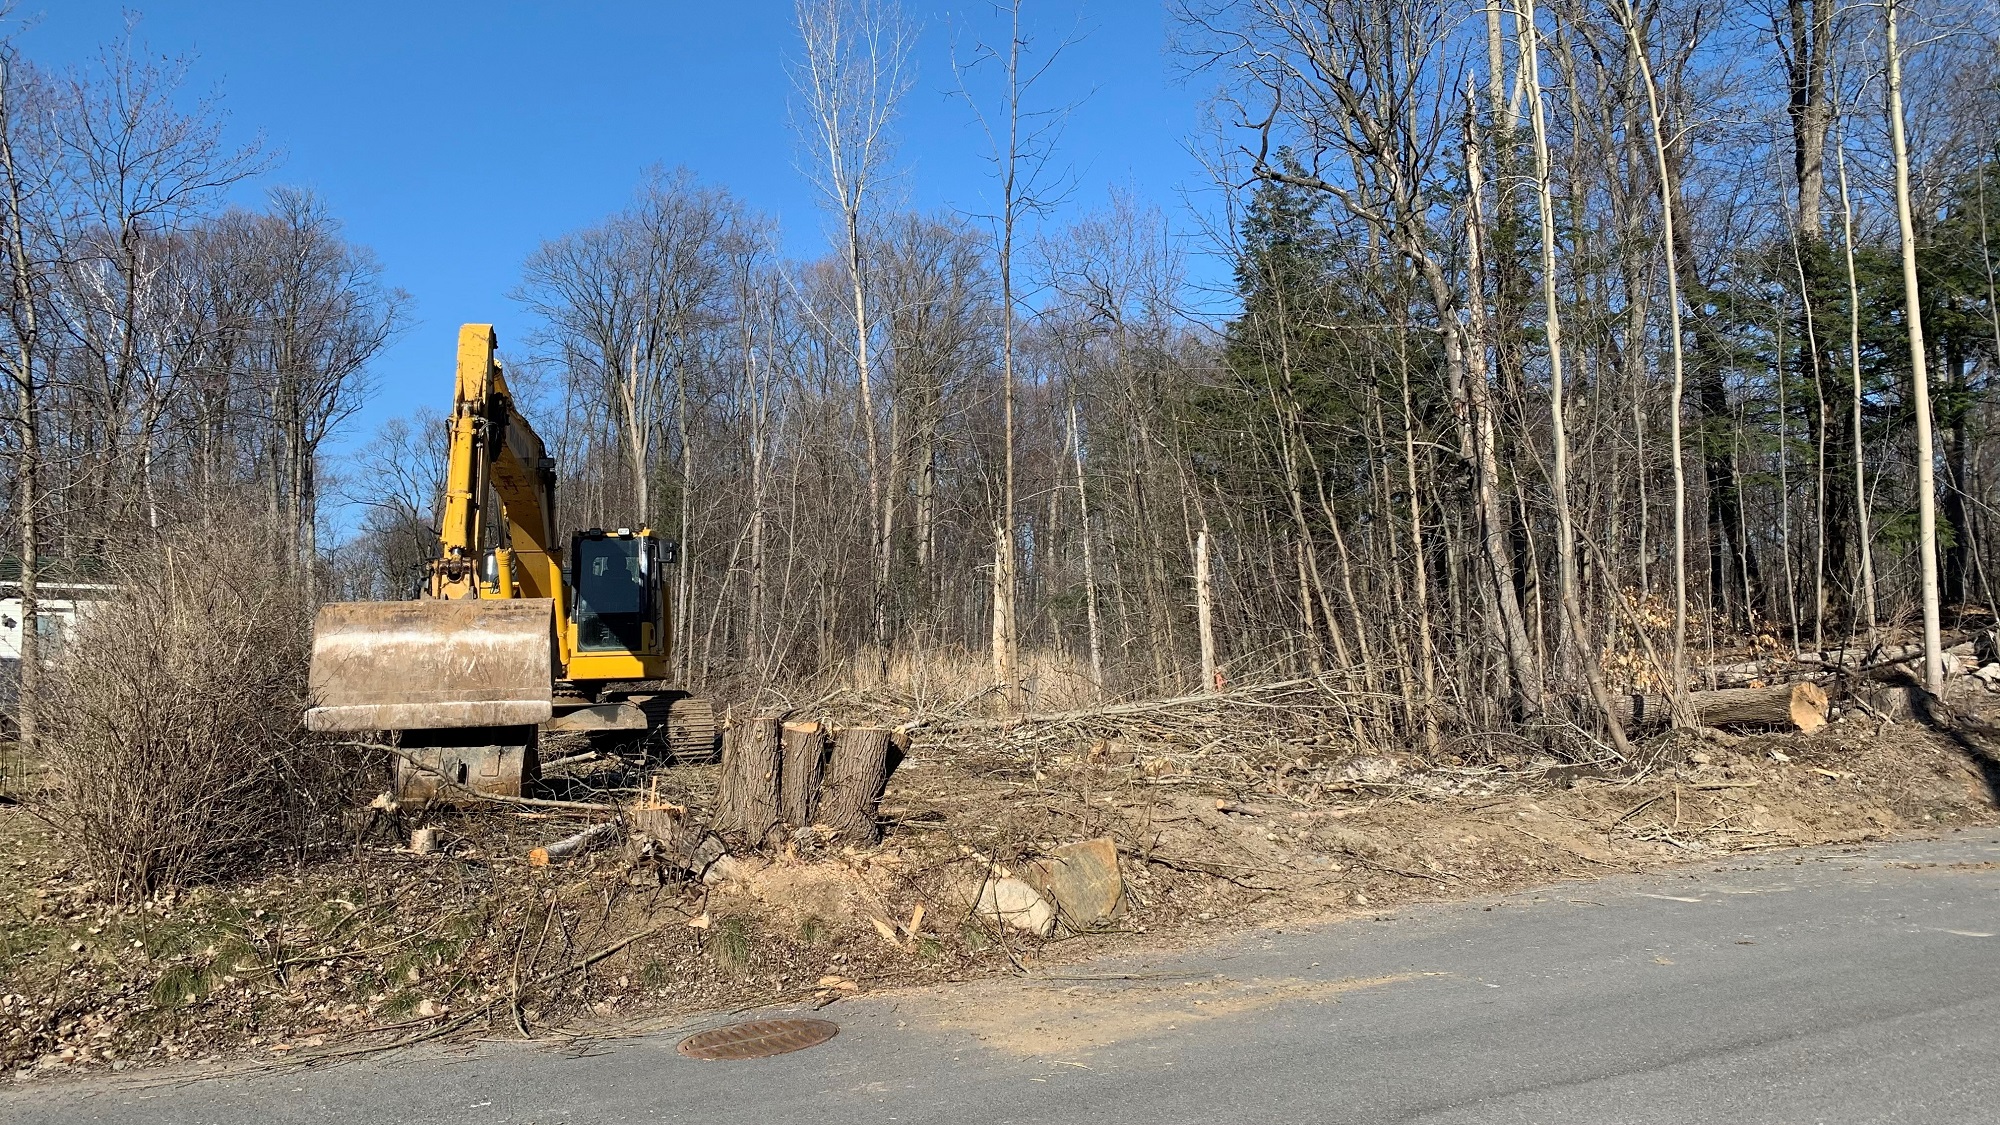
x=1797, y=987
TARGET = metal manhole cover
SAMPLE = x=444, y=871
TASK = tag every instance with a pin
x=758, y=1039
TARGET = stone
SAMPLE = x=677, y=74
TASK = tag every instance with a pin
x=1082, y=880
x=1012, y=901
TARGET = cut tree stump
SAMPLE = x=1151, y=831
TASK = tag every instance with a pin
x=682, y=844
x=747, y=804
x=804, y=769
x=863, y=758
x=1801, y=706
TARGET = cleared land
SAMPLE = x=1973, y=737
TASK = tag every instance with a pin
x=379, y=946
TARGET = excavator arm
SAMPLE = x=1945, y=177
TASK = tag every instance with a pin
x=494, y=451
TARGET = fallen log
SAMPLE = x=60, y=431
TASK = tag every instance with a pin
x=594, y=836
x=1801, y=706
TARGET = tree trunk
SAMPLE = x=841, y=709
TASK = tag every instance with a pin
x=28, y=456
x=1559, y=473
x=1493, y=522
x=1420, y=573
x=1089, y=559
x=1920, y=384
x=1006, y=672
x=1669, y=195
x=1807, y=42
x=747, y=803
x=863, y=758
x=1204, y=602
x=803, y=770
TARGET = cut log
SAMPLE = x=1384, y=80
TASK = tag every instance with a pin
x=804, y=769
x=1801, y=706
x=594, y=836
x=863, y=759
x=747, y=805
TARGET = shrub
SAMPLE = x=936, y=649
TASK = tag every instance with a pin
x=172, y=719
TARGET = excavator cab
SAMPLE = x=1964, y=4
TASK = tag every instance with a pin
x=618, y=605
x=505, y=642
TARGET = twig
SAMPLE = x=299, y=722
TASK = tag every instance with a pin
x=1636, y=809
x=1242, y=697
x=1190, y=867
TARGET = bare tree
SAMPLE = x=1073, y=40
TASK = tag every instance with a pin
x=1920, y=386
x=1022, y=139
x=854, y=73
x=24, y=283
x=1524, y=13
x=1663, y=170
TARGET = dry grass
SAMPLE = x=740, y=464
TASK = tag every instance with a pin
x=171, y=722
x=954, y=680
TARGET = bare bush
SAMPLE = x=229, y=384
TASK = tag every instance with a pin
x=173, y=719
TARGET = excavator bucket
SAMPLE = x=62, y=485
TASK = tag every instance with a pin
x=466, y=681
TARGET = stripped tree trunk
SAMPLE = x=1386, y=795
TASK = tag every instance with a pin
x=1089, y=560
x=1641, y=54
x=1863, y=531
x=1559, y=472
x=1920, y=384
x=1204, y=603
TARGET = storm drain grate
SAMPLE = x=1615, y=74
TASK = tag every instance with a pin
x=758, y=1039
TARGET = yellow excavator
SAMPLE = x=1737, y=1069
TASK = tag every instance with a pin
x=509, y=637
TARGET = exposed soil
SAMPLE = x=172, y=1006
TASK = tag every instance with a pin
x=376, y=946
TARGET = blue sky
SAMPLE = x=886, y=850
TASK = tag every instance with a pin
x=453, y=138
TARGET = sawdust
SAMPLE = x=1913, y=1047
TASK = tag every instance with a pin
x=825, y=890
x=1048, y=1020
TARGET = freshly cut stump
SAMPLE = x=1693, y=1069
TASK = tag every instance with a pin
x=758, y=1039
x=747, y=806
x=863, y=758
x=805, y=766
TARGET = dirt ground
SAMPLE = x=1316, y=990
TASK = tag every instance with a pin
x=372, y=947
